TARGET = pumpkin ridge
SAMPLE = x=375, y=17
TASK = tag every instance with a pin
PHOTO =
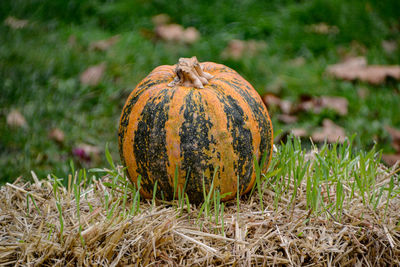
x=172, y=126
x=255, y=129
x=242, y=137
x=225, y=154
x=246, y=179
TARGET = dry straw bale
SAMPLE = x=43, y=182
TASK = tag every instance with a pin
x=165, y=235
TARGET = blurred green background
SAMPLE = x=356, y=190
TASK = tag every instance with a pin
x=46, y=45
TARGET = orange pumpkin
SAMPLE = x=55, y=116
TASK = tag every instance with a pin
x=194, y=117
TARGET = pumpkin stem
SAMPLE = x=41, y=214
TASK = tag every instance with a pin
x=190, y=73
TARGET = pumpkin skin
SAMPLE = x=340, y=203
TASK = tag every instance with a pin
x=163, y=129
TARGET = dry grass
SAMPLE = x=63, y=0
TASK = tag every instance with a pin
x=170, y=236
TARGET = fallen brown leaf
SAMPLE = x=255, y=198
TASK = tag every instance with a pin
x=299, y=132
x=272, y=101
x=57, y=135
x=176, y=33
x=330, y=132
x=236, y=49
x=286, y=106
x=171, y=32
x=288, y=119
x=16, y=119
x=306, y=106
x=93, y=74
x=357, y=69
x=15, y=23
x=345, y=69
x=103, y=45
x=339, y=104
x=316, y=105
x=391, y=159
x=307, y=103
x=395, y=135
x=190, y=35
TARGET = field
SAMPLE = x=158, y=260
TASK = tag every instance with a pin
x=289, y=45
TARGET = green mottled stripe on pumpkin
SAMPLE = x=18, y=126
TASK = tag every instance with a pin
x=259, y=113
x=126, y=112
x=150, y=143
x=195, y=144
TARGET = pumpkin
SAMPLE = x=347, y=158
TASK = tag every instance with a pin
x=199, y=120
